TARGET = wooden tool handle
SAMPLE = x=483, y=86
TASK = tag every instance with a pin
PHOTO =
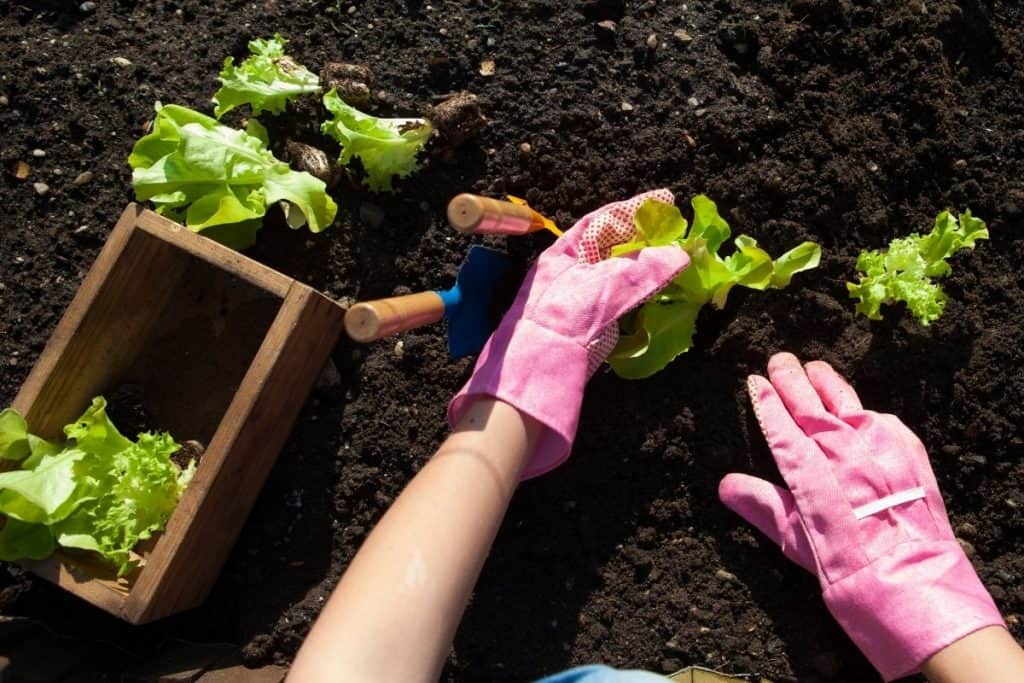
x=367, y=321
x=470, y=213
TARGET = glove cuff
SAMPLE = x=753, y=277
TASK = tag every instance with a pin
x=539, y=372
x=905, y=607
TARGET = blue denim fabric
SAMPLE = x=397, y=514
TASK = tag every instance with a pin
x=603, y=674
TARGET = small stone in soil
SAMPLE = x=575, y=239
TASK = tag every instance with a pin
x=608, y=26
x=82, y=178
x=80, y=229
x=626, y=106
x=400, y=349
x=525, y=149
x=725, y=576
x=42, y=189
x=87, y=7
x=38, y=153
x=683, y=37
x=652, y=41
x=693, y=101
x=120, y=61
x=371, y=214
x=21, y=170
x=487, y=67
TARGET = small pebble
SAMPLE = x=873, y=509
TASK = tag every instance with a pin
x=80, y=229
x=491, y=42
x=607, y=26
x=525, y=149
x=683, y=37
x=371, y=214
x=487, y=67
x=967, y=530
x=652, y=41
x=693, y=101
x=700, y=112
x=960, y=164
x=472, y=44
x=400, y=349
x=872, y=166
x=4, y=101
x=725, y=576
x=38, y=153
x=967, y=547
x=352, y=9
x=82, y=178
x=626, y=106
x=443, y=31
x=87, y=7
x=42, y=189
x=120, y=61
x=21, y=170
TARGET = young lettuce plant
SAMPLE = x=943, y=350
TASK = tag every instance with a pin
x=267, y=80
x=98, y=491
x=663, y=327
x=220, y=181
x=905, y=271
x=386, y=147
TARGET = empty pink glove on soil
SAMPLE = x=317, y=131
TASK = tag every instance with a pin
x=564, y=323
x=863, y=512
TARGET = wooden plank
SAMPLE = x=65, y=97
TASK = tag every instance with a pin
x=200, y=534
x=228, y=259
x=75, y=577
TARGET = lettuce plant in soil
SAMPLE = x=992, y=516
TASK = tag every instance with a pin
x=219, y=181
x=906, y=270
x=98, y=491
x=386, y=147
x=663, y=328
x=267, y=80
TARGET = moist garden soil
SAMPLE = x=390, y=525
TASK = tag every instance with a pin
x=849, y=123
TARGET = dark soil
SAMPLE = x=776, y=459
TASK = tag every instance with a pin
x=845, y=122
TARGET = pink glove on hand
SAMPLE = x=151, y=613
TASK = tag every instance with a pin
x=564, y=323
x=863, y=512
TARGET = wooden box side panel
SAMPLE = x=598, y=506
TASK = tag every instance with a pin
x=186, y=561
x=223, y=257
x=104, y=327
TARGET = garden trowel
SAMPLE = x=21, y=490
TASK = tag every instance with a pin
x=472, y=214
x=466, y=306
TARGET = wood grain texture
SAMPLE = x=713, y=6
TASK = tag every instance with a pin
x=200, y=534
x=223, y=257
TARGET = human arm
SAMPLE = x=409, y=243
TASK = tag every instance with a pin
x=990, y=655
x=393, y=615
x=862, y=511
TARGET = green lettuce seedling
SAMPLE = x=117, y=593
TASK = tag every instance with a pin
x=904, y=272
x=220, y=181
x=267, y=80
x=386, y=147
x=664, y=326
x=98, y=491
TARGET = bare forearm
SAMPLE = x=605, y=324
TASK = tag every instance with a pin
x=990, y=655
x=393, y=615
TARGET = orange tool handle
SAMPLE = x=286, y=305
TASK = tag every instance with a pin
x=368, y=321
x=473, y=214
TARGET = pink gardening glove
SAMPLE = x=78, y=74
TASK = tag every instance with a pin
x=563, y=324
x=864, y=513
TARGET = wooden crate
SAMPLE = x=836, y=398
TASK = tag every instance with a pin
x=222, y=350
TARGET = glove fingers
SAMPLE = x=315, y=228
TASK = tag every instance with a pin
x=836, y=393
x=630, y=280
x=772, y=509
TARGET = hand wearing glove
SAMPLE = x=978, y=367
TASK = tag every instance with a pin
x=563, y=324
x=863, y=512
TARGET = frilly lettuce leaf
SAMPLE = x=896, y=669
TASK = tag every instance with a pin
x=904, y=272
x=99, y=491
x=386, y=147
x=267, y=80
x=664, y=326
x=218, y=180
